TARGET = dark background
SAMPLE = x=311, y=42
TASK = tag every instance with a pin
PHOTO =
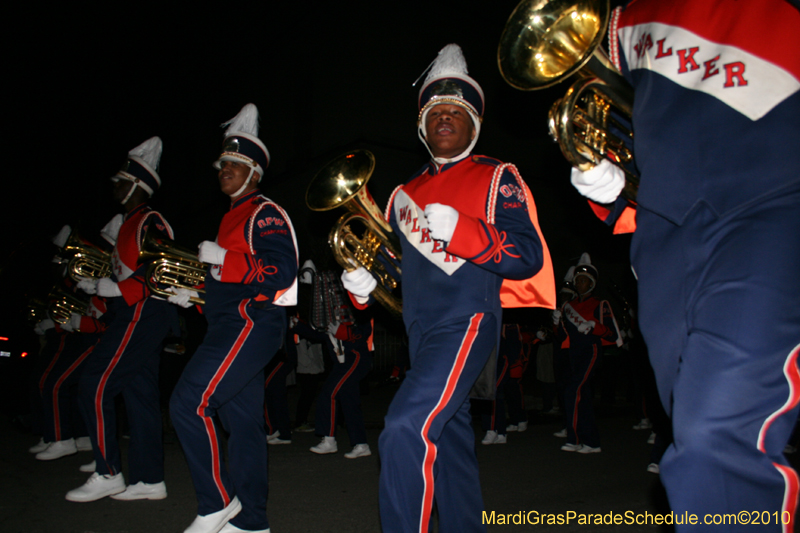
x=88, y=85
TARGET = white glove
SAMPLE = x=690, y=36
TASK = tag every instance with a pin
x=586, y=327
x=442, y=220
x=333, y=327
x=359, y=282
x=556, y=316
x=108, y=288
x=293, y=321
x=540, y=335
x=111, y=230
x=61, y=238
x=43, y=326
x=88, y=285
x=73, y=324
x=602, y=183
x=182, y=297
x=211, y=253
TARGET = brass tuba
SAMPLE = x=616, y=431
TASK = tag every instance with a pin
x=85, y=260
x=342, y=183
x=170, y=264
x=62, y=303
x=545, y=42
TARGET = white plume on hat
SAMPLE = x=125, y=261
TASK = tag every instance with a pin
x=245, y=122
x=149, y=152
x=569, y=275
x=450, y=61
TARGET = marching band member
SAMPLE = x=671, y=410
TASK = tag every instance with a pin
x=467, y=226
x=716, y=121
x=586, y=324
x=73, y=341
x=126, y=358
x=253, y=276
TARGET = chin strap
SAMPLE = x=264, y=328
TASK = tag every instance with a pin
x=245, y=184
x=130, y=193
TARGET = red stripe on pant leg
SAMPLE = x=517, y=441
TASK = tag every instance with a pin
x=98, y=398
x=578, y=394
x=792, y=374
x=430, y=449
x=266, y=385
x=336, y=391
x=52, y=363
x=57, y=387
x=216, y=464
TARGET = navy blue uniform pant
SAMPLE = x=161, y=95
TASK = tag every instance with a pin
x=579, y=397
x=342, y=388
x=427, y=446
x=58, y=387
x=225, y=379
x=276, y=404
x=718, y=313
x=125, y=361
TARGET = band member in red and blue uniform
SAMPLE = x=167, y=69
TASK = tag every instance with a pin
x=64, y=428
x=468, y=227
x=253, y=276
x=353, y=346
x=586, y=324
x=125, y=360
x=716, y=120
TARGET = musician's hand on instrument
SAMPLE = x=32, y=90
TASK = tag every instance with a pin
x=602, y=183
x=556, y=316
x=586, y=327
x=88, y=285
x=211, y=253
x=442, y=221
x=108, y=288
x=182, y=297
x=111, y=230
x=333, y=327
x=43, y=326
x=359, y=282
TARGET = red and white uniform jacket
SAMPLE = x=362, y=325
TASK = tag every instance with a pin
x=125, y=257
x=261, y=261
x=497, y=253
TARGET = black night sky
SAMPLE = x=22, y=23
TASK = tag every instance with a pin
x=88, y=85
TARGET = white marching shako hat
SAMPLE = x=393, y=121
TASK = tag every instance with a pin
x=242, y=144
x=448, y=82
x=140, y=167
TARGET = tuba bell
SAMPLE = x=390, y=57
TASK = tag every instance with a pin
x=85, y=260
x=547, y=41
x=342, y=183
x=172, y=265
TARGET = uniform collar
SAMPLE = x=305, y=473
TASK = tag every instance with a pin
x=246, y=198
x=436, y=168
x=135, y=210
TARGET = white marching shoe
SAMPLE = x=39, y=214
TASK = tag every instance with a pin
x=58, y=449
x=359, y=450
x=142, y=491
x=96, y=487
x=326, y=445
x=84, y=444
x=39, y=446
x=88, y=467
x=214, y=522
